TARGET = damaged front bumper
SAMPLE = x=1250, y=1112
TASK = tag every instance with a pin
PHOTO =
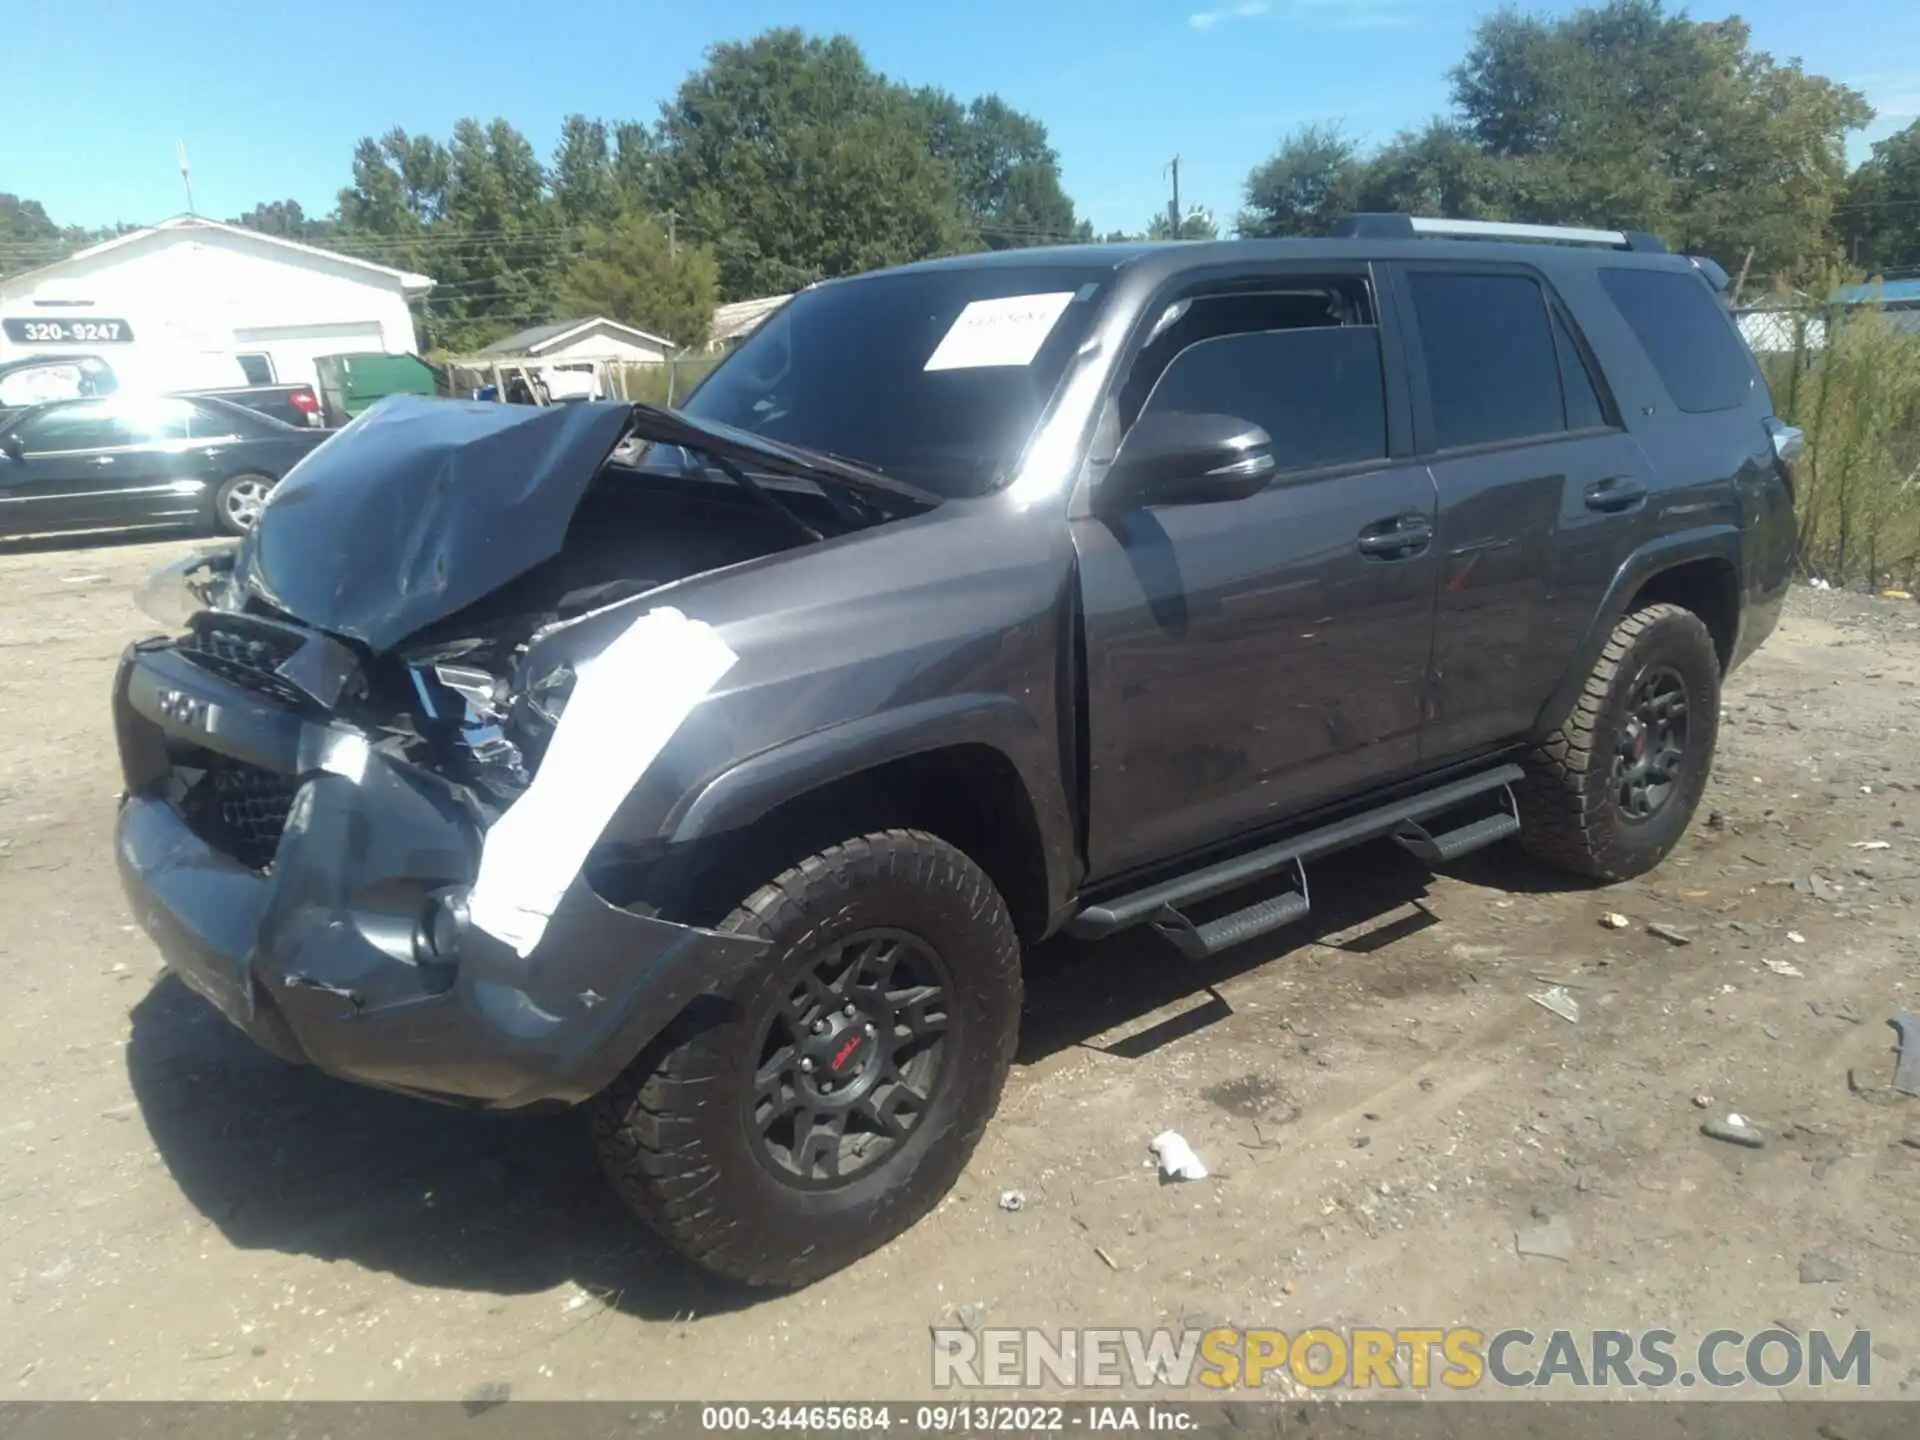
x=324, y=917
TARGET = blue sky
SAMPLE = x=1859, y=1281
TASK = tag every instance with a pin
x=270, y=99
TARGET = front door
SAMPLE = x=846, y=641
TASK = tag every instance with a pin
x=65, y=458
x=1250, y=658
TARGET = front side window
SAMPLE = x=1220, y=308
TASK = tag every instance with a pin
x=73, y=427
x=1301, y=360
x=1491, y=371
x=936, y=376
x=1317, y=392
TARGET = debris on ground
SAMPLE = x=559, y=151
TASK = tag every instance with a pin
x=1013, y=1199
x=1872, y=845
x=1614, y=920
x=1906, y=1071
x=1551, y=1241
x=1703, y=1102
x=1796, y=938
x=1783, y=967
x=1176, y=1157
x=1819, y=1270
x=1669, y=934
x=1557, y=999
x=1735, y=1130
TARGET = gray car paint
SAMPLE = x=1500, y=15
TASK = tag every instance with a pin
x=1187, y=645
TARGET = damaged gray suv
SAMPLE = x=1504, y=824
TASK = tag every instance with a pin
x=713, y=769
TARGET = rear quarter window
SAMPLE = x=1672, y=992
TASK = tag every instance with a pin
x=1686, y=335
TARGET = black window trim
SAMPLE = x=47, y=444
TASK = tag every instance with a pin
x=1422, y=400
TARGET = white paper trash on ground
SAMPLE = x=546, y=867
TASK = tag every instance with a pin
x=627, y=701
x=1176, y=1157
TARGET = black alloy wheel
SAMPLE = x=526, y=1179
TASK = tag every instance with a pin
x=1652, y=747
x=851, y=1061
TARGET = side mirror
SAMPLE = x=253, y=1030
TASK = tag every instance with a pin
x=1185, y=457
x=11, y=447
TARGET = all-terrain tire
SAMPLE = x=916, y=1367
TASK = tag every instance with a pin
x=675, y=1132
x=1570, y=808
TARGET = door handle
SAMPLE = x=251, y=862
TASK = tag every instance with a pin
x=1397, y=538
x=1616, y=492
x=103, y=459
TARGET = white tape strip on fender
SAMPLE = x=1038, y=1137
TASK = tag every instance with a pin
x=626, y=704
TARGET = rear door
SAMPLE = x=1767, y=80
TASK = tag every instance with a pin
x=1250, y=658
x=1542, y=493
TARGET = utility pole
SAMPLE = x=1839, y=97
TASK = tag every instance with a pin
x=186, y=179
x=1173, y=205
x=1740, y=282
x=673, y=245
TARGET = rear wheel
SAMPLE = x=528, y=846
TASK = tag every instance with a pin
x=237, y=503
x=836, y=1091
x=1610, y=792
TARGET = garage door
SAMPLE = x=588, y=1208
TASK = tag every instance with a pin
x=294, y=348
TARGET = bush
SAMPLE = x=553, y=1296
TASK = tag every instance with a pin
x=1852, y=383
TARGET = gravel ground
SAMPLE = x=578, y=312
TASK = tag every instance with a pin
x=1382, y=1105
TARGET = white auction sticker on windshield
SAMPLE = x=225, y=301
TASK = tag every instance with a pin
x=1007, y=331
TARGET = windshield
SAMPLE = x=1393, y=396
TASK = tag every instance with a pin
x=936, y=377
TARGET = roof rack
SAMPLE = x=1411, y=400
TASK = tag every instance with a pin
x=1413, y=227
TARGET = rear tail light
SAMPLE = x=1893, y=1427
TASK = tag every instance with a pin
x=305, y=402
x=1789, y=442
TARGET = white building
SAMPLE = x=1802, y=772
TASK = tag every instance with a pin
x=176, y=304
x=592, y=338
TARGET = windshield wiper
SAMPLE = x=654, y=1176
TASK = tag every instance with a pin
x=718, y=442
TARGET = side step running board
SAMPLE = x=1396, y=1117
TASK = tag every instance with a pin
x=1197, y=942
x=1159, y=904
x=1431, y=849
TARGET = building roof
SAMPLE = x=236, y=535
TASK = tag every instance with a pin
x=1880, y=292
x=411, y=283
x=538, y=338
x=742, y=317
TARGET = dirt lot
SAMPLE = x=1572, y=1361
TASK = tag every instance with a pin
x=1381, y=1103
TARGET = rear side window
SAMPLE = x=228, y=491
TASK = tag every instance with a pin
x=1492, y=374
x=1316, y=391
x=1686, y=335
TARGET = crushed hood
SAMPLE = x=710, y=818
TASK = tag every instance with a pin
x=421, y=507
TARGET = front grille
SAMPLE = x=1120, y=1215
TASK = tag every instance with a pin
x=241, y=809
x=249, y=660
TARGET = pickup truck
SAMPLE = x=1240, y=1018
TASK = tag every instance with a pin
x=721, y=791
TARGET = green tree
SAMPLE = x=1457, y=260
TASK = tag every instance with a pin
x=796, y=161
x=585, y=187
x=1437, y=170
x=1880, y=219
x=25, y=220
x=286, y=219
x=1626, y=114
x=1309, y=182
x=629, y=270
x=1196, y=224
x=1006, y=172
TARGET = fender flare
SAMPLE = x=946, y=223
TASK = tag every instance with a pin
x=1707, y=542
x=749, y=789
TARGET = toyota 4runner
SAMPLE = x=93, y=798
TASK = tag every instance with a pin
x=713, y=768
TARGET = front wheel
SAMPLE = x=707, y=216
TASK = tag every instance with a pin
x=237, y=503
x=834, y=1094
x=1610, y=793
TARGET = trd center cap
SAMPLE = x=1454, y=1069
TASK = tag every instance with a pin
x=841, y=1053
